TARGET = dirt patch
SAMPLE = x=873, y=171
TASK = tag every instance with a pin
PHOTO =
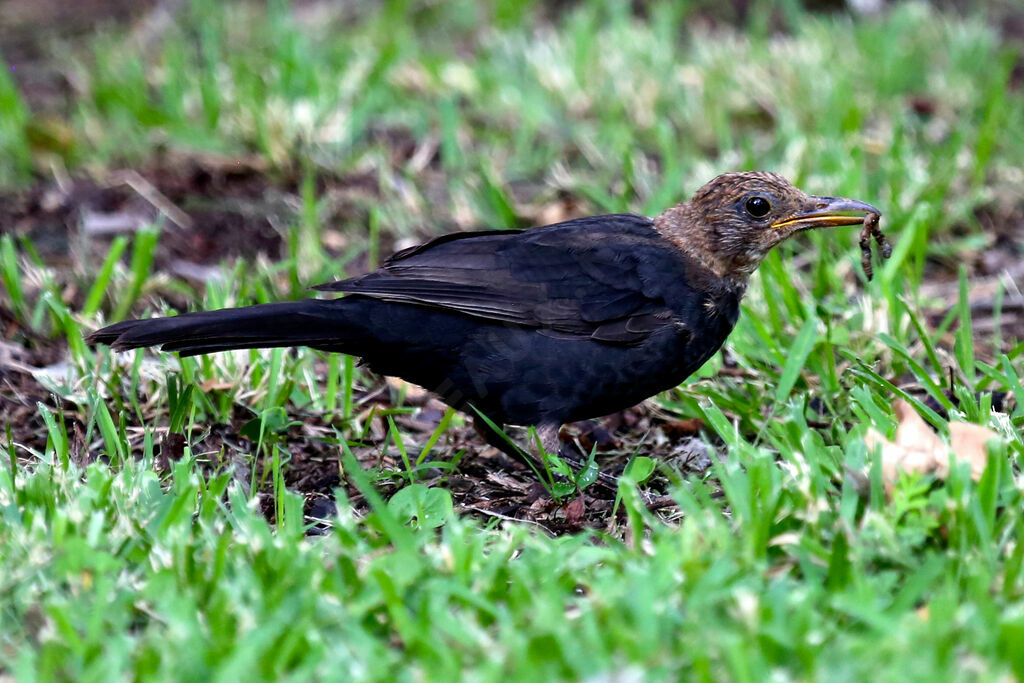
x=996, y=279
x=484, y=482
x=210, y=209
x=208, y=217
x=22, y=353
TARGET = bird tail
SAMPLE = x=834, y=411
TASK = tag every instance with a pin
x=312, y=322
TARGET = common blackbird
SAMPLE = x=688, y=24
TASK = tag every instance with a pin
x=541, y=326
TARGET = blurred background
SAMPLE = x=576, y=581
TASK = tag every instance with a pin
x=268, y=122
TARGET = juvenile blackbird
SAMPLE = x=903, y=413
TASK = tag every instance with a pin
x=541, y=326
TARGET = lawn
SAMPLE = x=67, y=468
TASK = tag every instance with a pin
x=271, y=514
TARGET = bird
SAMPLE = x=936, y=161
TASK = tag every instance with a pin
x=537, y=327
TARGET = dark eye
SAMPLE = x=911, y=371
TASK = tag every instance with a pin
x=758, y=207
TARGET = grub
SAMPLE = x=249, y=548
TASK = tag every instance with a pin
x=871, y=230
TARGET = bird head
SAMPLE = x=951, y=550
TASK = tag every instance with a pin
x=732, y=222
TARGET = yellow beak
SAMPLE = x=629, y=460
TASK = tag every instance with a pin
x=828, y=212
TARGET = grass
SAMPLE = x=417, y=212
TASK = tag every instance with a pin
x=777, y=562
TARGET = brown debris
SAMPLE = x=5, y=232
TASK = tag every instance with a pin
x=918, y=449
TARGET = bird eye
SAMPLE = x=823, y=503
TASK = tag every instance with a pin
x=758, y=207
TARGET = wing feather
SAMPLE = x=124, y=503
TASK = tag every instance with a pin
x=602, y=278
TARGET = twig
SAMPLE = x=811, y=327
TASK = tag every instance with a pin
x=148, y=191
x=491, y=513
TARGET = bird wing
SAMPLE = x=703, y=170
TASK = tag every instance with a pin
x=600, y=278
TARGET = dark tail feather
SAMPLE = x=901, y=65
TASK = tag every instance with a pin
x=316, y=323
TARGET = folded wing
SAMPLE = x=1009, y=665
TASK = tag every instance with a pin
x=601, y=278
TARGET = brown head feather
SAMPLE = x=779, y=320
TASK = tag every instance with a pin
x=718, y=228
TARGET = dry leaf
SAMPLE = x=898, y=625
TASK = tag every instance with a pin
x=415, y=395
x=575, y=510
x=969, y=442
x=216, y=385
x=919, y=449
x=334, y=239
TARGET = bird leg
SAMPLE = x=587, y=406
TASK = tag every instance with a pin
x=547, y=436
x=546, y=442
x=506, y=445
